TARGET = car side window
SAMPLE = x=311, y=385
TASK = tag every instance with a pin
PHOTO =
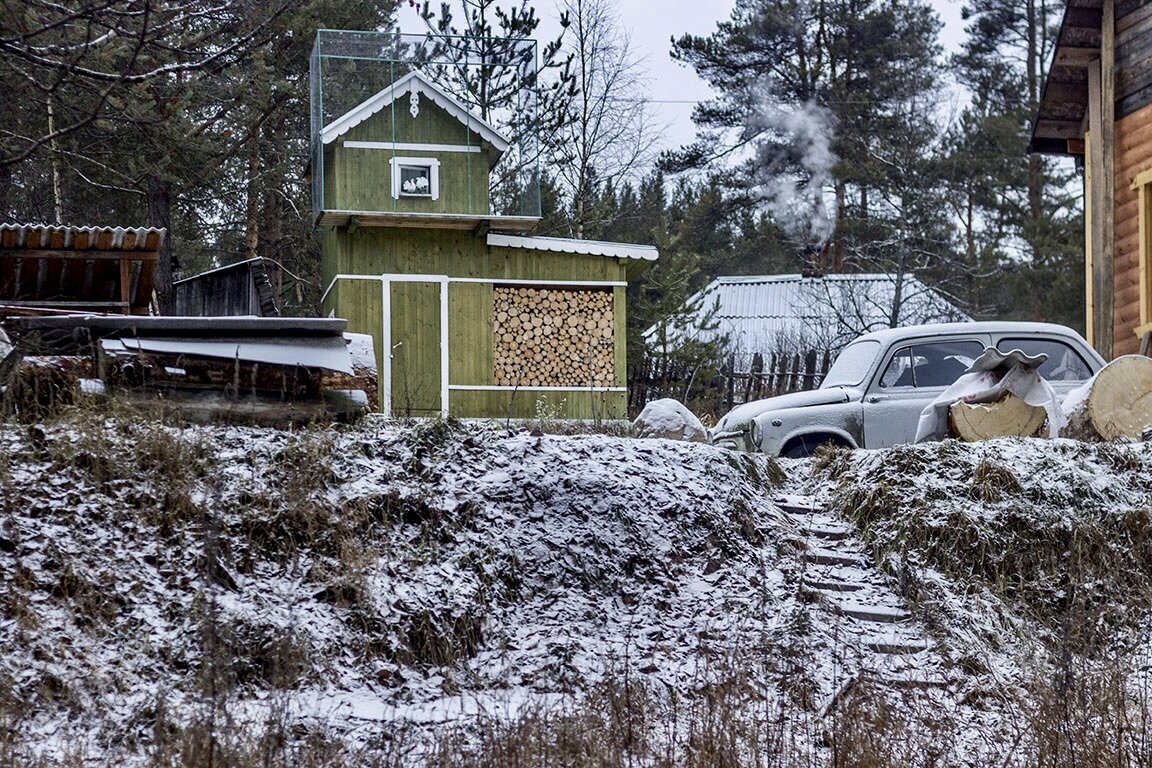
x=1064, y=363
x=899, y=370
x=932, y=364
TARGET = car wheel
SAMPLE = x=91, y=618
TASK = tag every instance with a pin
x=804, y=446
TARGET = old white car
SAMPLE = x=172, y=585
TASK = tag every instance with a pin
x=874, y=392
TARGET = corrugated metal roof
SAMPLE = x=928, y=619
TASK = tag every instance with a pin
x=571, y=245
x=67, y=238
x=773, y=313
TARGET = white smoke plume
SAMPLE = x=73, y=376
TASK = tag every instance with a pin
x=796, y=167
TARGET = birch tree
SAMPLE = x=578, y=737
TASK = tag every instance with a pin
x=607, y=136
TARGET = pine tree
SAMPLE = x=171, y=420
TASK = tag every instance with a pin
x=810, y=93
x=483, y=53
x=1028, y=228
x=186, y=115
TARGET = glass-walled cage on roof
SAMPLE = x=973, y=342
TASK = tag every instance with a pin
x=423, y=125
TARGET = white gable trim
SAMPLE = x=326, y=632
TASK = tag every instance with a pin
x=571, y=245
x=413, y=82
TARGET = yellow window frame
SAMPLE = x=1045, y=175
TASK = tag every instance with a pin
x=1143, y=186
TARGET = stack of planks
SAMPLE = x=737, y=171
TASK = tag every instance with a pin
x=547, y=337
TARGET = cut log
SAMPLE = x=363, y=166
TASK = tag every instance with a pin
x=1009, y=417
x=1116, y=403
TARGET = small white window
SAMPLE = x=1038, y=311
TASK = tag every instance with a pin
x=416, y=177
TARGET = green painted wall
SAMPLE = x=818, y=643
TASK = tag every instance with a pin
x=456, y=253
x=415, y=316
x=416, y=349
x=589, y=406
x=361, y=179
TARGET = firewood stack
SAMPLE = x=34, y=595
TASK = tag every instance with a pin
x=546, y=337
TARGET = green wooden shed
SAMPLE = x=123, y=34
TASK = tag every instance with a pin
x=472, y=316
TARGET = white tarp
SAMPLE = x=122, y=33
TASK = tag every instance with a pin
x=330, y=353
x=990, y=377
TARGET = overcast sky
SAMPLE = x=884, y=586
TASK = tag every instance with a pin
x=651, y=24
x=674, y=88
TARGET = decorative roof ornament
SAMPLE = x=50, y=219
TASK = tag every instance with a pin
x=414, y=103
x=413, y=81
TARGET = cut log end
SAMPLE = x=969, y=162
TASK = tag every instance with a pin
x=1009, y=417
x=1118, y=404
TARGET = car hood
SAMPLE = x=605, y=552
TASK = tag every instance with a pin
x=743, y=414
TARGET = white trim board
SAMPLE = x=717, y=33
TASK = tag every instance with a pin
x=490, y=280
x=506, y=388
x=398, y=146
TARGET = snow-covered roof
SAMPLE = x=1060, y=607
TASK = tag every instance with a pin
x=413, y=82
x=571, y=245
x=763, y=313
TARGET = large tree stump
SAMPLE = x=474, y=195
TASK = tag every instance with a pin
x=1008, y=417
x=1116, y=403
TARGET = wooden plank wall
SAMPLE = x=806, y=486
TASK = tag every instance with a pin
x=416, y=376
x=456, y=253
x=526, y=404
x=222, y=294
x=1133, y=155
x=361, y=179
x=415, y=316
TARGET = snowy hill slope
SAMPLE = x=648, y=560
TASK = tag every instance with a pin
x=366, y=582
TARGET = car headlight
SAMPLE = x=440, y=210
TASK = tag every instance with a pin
x=754, y=434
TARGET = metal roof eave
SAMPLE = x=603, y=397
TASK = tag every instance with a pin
x=626, y=251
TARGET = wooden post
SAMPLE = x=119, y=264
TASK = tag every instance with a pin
x=1108, y=139
x=776, y=373
x=756, y=377
x=1102, y=191
x=125, y=282
x=810, y=369
x=731, y=380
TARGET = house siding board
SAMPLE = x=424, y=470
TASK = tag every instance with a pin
x=462, y=254
x=358, y=179
x=620, y=329
x=415, y=341
x=470, y=347
x=1134, y=154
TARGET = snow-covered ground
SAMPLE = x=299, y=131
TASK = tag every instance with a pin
x=386, y=578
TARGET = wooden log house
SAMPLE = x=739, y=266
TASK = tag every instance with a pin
x=1097, y=107
x=472, y=316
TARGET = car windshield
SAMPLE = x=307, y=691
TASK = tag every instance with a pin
x=852, y=365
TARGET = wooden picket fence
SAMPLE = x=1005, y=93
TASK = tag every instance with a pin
x=717, y=387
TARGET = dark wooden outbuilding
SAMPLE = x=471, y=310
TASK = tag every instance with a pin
x=238, y=289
